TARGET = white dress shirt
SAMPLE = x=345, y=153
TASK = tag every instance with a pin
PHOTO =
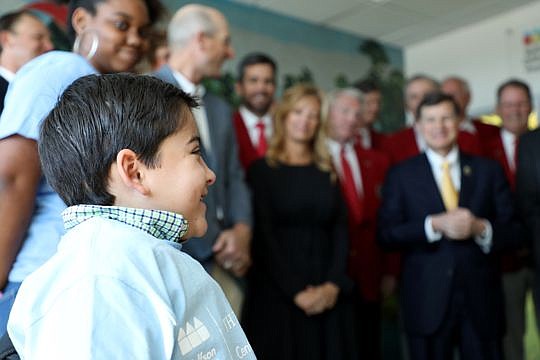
x=435, y=161
x=467, y=125
x=365, y=138
x=198, y=113
x=251, y=120
x=509, y=141
x=350, y=154
x=409, y=119
x=420, y=142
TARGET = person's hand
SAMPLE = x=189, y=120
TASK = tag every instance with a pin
x=317, y=299
x=305, y=300
x=457, y=224
x=232, y=249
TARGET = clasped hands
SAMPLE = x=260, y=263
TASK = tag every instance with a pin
x=458, y=224
x=314, y=300
x=232, y=249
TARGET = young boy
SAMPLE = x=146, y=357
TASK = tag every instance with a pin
x=123, y=153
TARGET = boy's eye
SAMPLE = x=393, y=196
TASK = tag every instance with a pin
x=196, y=151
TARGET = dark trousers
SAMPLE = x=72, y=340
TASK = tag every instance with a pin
x=368, y=327
x=458, y=331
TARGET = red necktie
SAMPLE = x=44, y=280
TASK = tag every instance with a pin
x=262, y=145
x=349, y=190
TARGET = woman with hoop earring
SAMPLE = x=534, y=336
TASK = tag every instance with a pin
x=109, y=36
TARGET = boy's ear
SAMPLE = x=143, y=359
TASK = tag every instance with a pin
x=131, y=171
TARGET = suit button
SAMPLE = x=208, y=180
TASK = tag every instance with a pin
x=449, y=272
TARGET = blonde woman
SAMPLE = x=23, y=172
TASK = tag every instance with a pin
x=294, y=307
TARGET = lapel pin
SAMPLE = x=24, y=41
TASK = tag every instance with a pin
x=467, y=170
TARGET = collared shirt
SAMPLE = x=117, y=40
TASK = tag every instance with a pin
x=113, y=291
x=199, y=113
x=161, y=224
x=7, y=74
x=509, y=145
x=365, y=138
x=350, y=154
x=420, y=142
x=409, y=119
x=435, y=161
x=467, y=125
x=30, y=97
x=251, y=120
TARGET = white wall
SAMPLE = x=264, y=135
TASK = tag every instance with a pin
x=486, y=54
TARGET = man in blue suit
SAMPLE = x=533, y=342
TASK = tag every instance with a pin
x=199, y=43
x=448, y=212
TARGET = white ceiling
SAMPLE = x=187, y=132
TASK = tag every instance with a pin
x=398, y=22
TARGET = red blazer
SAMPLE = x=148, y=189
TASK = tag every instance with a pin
x=486, y=131
x=402, y=145
x=246, y=151
x=377, y=139
x=469, y=143
x=367, y=262
x=495, y=151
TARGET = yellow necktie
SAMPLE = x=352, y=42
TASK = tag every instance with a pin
x=448, y=190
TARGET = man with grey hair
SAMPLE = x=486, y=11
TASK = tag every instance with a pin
x=459, y=89
x=409, y=142
x=416, y=88
x=361, y=173
x=199, y=43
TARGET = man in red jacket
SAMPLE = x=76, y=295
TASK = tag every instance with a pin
x=367, y=136
x=514, y=105
x=459, y=89
x=253, y=122
x=361, y=173
x=409, y=142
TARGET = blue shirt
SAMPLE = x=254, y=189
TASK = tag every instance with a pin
x=30, y=97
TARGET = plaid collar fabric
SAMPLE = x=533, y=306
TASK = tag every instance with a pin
x=161, y=224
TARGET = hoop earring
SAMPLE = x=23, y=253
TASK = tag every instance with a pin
x=93, y=47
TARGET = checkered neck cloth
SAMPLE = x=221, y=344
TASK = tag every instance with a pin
x=161, y=224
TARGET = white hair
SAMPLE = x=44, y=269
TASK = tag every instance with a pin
x=332, y=96
x=187, y=22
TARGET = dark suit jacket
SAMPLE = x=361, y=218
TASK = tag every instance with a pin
x=228, y=200
x=528, y=192
x=3, y=90
x=246, y=150
x=432, y=271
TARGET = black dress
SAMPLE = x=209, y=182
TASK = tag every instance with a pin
x=300, y=239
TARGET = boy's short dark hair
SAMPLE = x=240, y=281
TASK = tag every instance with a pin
x=95, y=118
x=255, y=59
x=436, y=98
